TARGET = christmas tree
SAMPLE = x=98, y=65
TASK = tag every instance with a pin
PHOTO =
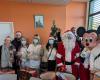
x=53, y=29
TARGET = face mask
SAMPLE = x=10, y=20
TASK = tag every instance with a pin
x=35, y=41
x=51, y=42
x=23, y=42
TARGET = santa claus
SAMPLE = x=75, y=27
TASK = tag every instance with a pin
x=66, y=58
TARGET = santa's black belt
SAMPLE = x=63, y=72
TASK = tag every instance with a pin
x=69, y=63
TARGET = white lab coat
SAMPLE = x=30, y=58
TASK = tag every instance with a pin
x=34, y=55
x=95, y=64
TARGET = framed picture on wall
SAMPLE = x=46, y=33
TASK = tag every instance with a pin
x=39, y=21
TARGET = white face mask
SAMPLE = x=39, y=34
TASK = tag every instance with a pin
x=23, y=42
x=51, y=42
x=35, y=41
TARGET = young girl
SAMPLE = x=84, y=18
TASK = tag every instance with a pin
x=51, y=47
x=51, y=55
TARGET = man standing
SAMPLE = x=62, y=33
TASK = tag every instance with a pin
x=17, y=44
x=67, y=53
x=17, y=40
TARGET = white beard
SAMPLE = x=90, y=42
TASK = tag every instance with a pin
x=69, y=44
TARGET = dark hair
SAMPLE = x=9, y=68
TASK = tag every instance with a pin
x=98, y=30
x=80, y=31
x=58, y=35
x=90, y=31
x=54, y=45
x=36, y=35
x=19, y=32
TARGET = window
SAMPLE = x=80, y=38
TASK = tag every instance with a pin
x=6, y=29
x=94, y=14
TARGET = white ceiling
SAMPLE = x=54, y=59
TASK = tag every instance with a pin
x=81, y=0
x=54, y=2
x=49, y=1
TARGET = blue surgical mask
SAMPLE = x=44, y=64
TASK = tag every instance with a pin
x=35, y=41
x=23, y=42
x=51, y=42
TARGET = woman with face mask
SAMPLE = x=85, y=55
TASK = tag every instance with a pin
x=51, y=55
x=35, y=52
x=51, y=47
x=23, y=52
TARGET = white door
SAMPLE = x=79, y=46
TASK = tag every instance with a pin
x=6, y=29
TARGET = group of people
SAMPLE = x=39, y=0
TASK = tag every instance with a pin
x=75, y=53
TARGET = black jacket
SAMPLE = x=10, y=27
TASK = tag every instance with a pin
x=0, y=54
x=16, y=43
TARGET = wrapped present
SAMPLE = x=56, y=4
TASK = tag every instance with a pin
x=26, y=73
x=65, y=76
x=97, y=76
x=48, y=75
x=33, y=78
x=7, y=71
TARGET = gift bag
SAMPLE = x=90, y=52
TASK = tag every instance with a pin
x=96, y=76
x=50, y=75
x=26, y=73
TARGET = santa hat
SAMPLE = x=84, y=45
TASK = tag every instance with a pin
x=68, y=32
x=51, y=38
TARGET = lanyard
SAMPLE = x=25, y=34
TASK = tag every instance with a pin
x=50, y=53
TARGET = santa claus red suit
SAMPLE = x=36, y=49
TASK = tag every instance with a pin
x=67, y=53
